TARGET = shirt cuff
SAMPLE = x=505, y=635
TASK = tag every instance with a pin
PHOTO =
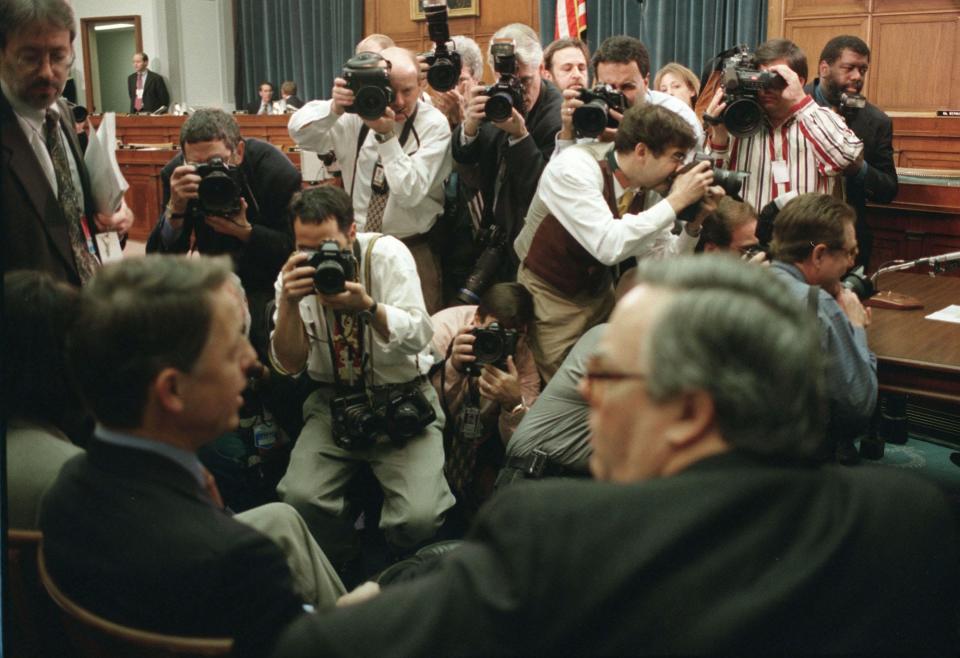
x=466, y=139
x=512, y=141
x=168, y=234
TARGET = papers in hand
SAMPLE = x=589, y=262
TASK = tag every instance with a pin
x=106, y=181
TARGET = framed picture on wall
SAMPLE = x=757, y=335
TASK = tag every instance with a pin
x=454, y=8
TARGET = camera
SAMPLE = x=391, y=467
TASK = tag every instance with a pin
x=593, y=116
x=407, y=412
x=355, y=424
x=334, y=268
x=491, y=244
x=859, y=283
x=370, y=84
x=220, y=189
x=730, y=181
x=742, y=81
x=493, y=345
x=445, y=64
x=507, y=92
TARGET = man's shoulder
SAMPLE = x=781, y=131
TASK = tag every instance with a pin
x=430, y=117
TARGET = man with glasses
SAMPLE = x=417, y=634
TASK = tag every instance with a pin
x=256, y=232
x=814, y=245
x=708, y=535
x=46, y=204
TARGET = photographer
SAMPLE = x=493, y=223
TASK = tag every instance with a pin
x=623, y=63
x=588, y=216
x=507, y=157
x=393, y=164
x=843, y=65
x=374, y=331
x=814, y=244
x=453, y=103
x=489, y=398
x=732, y=228
x=799, y=146
x=223, y=194
x=565, y=63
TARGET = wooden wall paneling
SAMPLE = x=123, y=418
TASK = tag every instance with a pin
x=913, y=6
x=774, y=18
x=916, y=58
x=813, y=34
x=798, y=8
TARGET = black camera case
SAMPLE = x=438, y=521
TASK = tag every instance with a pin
x=507, y=92
x=445, y=63
x=335, y=266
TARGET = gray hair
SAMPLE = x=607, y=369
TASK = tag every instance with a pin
x=139, y=316
x=17, y=15
x=528, y=49
x=470, y=54
x=210, y=125
x=732, y=330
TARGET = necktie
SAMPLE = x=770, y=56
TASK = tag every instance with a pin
x=68, y=197
x=623, y=205
x=138, y=101
x=210, y=484
x=378, y=201
x=263, y=108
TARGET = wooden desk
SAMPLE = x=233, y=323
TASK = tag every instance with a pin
x=166, y=128
x=916, y=356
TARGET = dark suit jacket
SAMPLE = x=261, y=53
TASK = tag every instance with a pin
x=731, y=556
x=33, y=230
x=131, y=535
x=155, y=92
x=294, y=101
x=253, y=107
x=879, y=185
x=524, y=163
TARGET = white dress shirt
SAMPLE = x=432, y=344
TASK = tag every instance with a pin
x=571, y=189
x=414, y=173
x=405, y=353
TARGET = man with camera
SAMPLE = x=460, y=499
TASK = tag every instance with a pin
x=843, y=66
x=786, y=141
x=506, y=139
x=709, y=535
x=393, y=150
x=731, y=228
x=588, y=215
x=565, y=63
x=353, y=299
x=621, y=67
x=223, y=194
x=814, y=244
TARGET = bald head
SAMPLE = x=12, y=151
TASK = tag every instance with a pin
x=405, y=80
x=401, y=60
x=375, y=43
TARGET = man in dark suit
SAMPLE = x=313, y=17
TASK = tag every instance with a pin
x=709, y=534
x=843, y=66
x=134, y=529
x=148, y=92
x=257, y=234
x=506, y=158
x=264, y=102
x=46, y=205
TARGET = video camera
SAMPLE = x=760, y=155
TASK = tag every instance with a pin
x=357, y=422
x=507, y=92
x=742, y=81
x=370, y=84
x=591, y=118
x=731, y=182
x=493, y=345
x=334, y=267
x=445, y=63
x=220, y=189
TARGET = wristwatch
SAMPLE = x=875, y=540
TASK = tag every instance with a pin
x=383, y=137
x=369, y=314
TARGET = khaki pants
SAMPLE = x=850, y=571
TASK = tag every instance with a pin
x=561, y=319
x=428, y=269
x=314, y=578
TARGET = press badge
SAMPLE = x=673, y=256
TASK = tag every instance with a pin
x=470, y=425
x=781, y=174
x=379, y=180
x=108, y=244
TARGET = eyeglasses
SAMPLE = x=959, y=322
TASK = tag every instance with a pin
x=31, y=60
x=849, y=252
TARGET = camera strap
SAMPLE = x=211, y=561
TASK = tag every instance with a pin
x=346, y=340
x=362, y=137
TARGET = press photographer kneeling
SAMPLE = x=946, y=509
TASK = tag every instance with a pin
x=351, y=314
x=487, y=380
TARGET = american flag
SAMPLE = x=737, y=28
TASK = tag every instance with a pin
x=571, y=18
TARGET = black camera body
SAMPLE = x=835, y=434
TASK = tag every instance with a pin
x=492, y=345
x=370, y=84
x=220, y=188
x=491, y=245
x=591, y=118
x=507, y=92
x=357, y=423
x=742, y=81
x=334, y=267
x=445, y=63
x=731, y=182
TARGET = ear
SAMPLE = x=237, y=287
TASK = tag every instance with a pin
x=818, y=254
x=166, y=390
x=542, y=71
x=640, y=150
x=694, y=417
x=352, y=233
x=241, y=147
x=824, y=68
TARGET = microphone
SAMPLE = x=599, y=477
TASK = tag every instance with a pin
x=160, y=110
x=935, y=262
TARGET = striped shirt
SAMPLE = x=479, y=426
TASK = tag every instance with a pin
x=814, y=144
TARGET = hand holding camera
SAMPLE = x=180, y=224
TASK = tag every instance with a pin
x=571, y=101
x=474, y=113
x=184, y=185
x=793, y=91
x=690, y=186
x=342, y=96
x=236, y=225
x=503, y=386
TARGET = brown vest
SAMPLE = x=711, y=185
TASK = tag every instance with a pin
x=556, y=257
